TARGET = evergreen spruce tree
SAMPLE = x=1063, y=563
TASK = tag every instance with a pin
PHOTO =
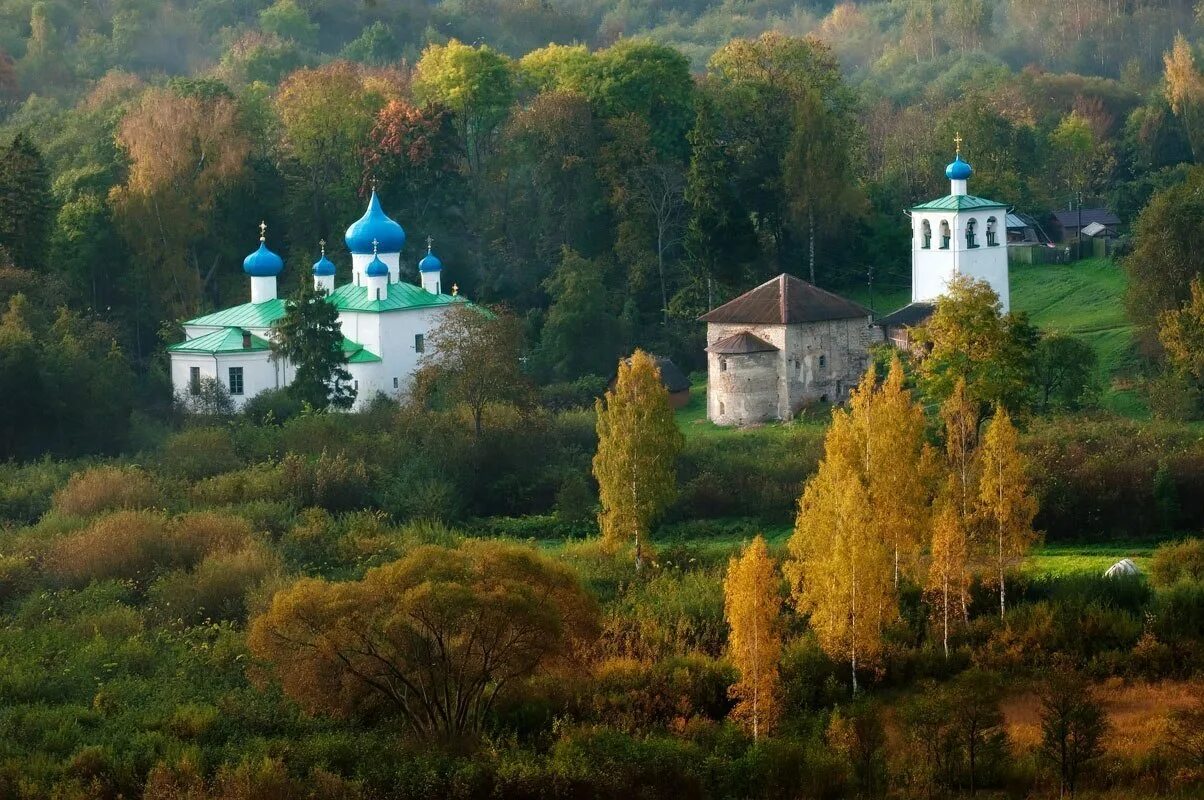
x=25, y=205
x=310, y=338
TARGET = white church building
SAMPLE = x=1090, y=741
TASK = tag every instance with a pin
x=787, y=344
x=384, y=319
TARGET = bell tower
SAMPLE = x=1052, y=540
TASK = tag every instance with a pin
x=958, y=234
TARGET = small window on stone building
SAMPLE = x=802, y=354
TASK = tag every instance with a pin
x=194, y=380
x=723, y=365
x=945, y=235
x=419, y=343
x=355, y=385
x=926, y=234
x=722, y=408
x=823, y=360
x=823, y=398
x=395, y=384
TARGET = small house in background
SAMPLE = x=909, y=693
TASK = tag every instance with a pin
x=1100, y=220
x=897, y=326
x=672, y=378
x=1098, y=230
x=1023, y=229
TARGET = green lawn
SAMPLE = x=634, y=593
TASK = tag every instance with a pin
x=1085, y=299
x=1084, y=559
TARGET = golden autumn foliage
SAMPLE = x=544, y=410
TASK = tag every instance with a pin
x=106, y=488
x=960, y=418
x=840, y=568
x=636, y=461
x=948, y=584
x=431, y=639
x=1005, y=497
x=753, y=609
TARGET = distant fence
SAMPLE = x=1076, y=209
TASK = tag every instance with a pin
x=1063, y=253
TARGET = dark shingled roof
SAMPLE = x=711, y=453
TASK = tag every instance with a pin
x=1070, y=219
x=741, y=344
x=908, y=316
x=785, y=300
x=672, y=378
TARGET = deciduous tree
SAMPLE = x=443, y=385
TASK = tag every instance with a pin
x=473, y=358
x=1005, y=497
x=1073, y=725
x=636, y=461
x=432, y=639
x=753, y=608
x=948, y=581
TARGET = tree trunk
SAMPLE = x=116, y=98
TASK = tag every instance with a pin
x=811, y=243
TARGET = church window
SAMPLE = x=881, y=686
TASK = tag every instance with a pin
x=419, y=343
x=355, y=385
x=926, y=234
x=823, y=360
x=945, y=236
x=395, y=383
x=992, y=232
x=235, y=380
x=194, y=380
x=972, y=233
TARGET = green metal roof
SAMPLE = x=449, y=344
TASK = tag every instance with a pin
x=958, y=202
x=248, y=315
x=227, y=340
x=402, y=296
x=356, y=354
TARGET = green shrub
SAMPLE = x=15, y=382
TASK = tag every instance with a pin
x=259, y=482
x=544, y=527
x=26, y=490
x=197, y=453
x=1176, y=561
x=217, y=590
x=272, y=407
x=106, y=488
x=637, y=695
x=334, y=482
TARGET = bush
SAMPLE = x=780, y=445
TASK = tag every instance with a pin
x=636, y=695
x=134, y=545
x=1173, y=397
x=199, y=453
x=217, y=590
x=259, y=482
x=26, y=490
x=272, y=407
x=106, y=488
x=334, y=482
x=1176, y=561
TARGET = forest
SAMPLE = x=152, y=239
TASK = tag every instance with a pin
x=459, y=594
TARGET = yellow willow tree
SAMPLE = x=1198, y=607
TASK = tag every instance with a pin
x=753, y=609
x=899, y=468
x=1006, y=502
x=840, y=568
x=636, y=460
x=948, y=582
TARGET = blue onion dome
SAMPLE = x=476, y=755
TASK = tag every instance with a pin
x=430, y=262
x=376, y=268
x=263, y=263
x=375, y=225
x=958, y=170
x=324, y=267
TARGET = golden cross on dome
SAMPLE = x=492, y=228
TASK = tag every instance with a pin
x=372, y=180
x=375, y=244
x=429, y=242
x=455, y=289
x=263, y=229
x=957, y=142
x=322, y=244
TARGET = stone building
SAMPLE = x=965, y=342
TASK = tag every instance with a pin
x=780, y=347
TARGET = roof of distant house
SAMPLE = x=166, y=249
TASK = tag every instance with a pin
x=1070, y=218
x=672, y=378
x=785, y=300
x=740, y=344
x=908, y=316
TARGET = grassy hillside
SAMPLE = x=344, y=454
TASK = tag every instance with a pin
x=1085, y=299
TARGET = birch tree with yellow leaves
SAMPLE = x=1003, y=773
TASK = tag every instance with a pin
x=636, y=460
x=1005, y=498
x=840, y=568
x=902, y=465
x=948, y=582
x=753, y=609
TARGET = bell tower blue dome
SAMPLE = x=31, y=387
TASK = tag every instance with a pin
x=263, y=263
x=958, y=170
x=375, y=226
